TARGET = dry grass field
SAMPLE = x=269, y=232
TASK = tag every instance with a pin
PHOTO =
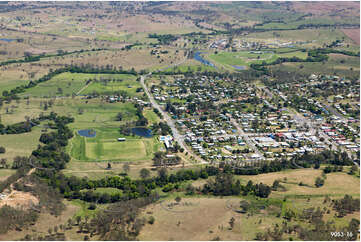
x=207, y=215
x=353, y=34
x=292, y=178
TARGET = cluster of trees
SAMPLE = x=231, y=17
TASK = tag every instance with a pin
x=317, y=229
x=346, y=205
x=52, y=154
x=224, y=185
x=142, y=121
x=120, y=221
x=17, y=128
x=161, y=128
x=156, y=111
x=306, y=160
x=164, y=39
x=329, y=169
x=11, y=218
x=313, y=56
x=316, y=55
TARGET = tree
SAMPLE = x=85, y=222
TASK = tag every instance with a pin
x=126, y=167
x=353, y=169
x=319, y=182
x=144, y=173
x=78, y=219
x=2, y=150
x=163, y=173
x=178, y=199
x=151, y=220
x=119, y=117
x=231, y=222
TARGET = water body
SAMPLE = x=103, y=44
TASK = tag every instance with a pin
x=198, y=57
x=240, y=67
x=7, y=40
x=87, y=133
x=143, y=132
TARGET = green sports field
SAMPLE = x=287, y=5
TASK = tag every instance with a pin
x=105, y=147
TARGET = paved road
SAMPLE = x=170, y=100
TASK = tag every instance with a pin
x=247, y=139
x=176, y=135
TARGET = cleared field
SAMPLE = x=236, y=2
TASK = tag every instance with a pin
x=15, y=75
x=19, y=144
x=126, y=83
x=308, y=176
x=353, y=34
x=97, y=170
x=139, y=58
x=204, y=214
x=349, y=68
x=245, y=58
x=66, y=84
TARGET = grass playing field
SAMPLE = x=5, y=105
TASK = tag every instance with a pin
x=105, y=147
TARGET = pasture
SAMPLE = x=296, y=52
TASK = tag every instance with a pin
x=20, y=144
x=246, y=58
x=337, y=64
x=115, y=83
x=67, y=84
x=205, y=217
x=290, y=179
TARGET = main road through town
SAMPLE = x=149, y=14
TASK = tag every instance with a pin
x=176, y=135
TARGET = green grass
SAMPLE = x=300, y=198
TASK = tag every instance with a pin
x=330, y=67
x=109, y=190
x=72, y=83
x=95, y=113
x=151, y=116
x=246, y=58
x=128, y=84
x=19, y=144
x=105, y=147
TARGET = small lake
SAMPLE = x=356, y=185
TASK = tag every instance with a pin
x=7, y=40
x=240, y=67
x=143, y=132
x=198, y=57
x=90, y=133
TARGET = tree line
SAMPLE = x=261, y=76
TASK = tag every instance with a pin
x=12, y=94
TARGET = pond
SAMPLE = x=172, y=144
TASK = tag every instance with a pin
x=143, y=132
x=90, y=133
x=199, y=58
x=7, y=40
